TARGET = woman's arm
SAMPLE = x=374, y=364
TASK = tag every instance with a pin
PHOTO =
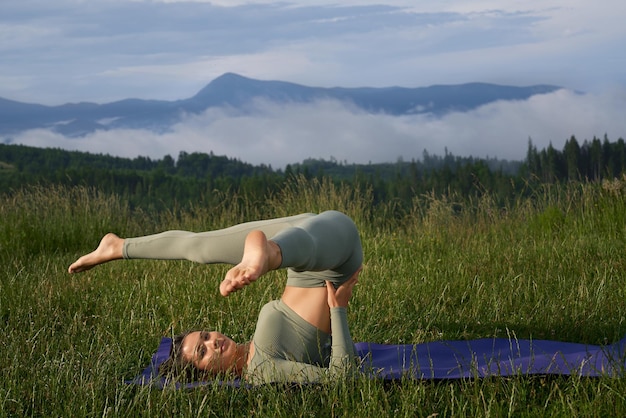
x=342, y=358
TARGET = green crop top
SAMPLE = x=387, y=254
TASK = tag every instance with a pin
x=289, y=349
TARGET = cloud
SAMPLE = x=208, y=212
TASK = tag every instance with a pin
x=277, y=135
x=103, y=50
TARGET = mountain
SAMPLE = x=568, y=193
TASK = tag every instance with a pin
x=77, y=119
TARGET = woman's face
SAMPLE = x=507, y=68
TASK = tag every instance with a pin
x=209, y=351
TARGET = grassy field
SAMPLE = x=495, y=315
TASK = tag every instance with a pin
x=549, y=266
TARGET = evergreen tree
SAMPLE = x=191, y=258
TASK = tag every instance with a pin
x=572, y=159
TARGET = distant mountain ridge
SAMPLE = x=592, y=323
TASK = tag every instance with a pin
x=78, y=119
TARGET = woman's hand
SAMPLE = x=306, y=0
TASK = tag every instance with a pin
x=341, y=296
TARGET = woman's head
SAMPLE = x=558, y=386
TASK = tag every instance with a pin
x=210, y=351
x=200, y=352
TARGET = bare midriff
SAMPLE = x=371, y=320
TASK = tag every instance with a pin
x=310, y=303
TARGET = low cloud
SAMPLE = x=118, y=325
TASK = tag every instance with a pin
x=277, y=135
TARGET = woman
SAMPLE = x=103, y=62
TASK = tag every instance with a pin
x=291, y=343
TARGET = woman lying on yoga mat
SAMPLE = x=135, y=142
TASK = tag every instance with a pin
x=292, y=341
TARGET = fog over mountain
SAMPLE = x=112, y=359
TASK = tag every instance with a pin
x=277, y=123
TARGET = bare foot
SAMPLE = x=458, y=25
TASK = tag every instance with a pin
x=259, y=256
x=110, y=248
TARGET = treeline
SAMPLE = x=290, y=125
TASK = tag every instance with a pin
x=200, y=177
x=592, y=160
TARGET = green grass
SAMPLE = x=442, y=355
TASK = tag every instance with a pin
x=548, y=266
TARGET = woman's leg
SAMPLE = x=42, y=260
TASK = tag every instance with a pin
x=321, y=248
x=315, y=249
x=258, y=257
x=327, y=247
x=220, y=246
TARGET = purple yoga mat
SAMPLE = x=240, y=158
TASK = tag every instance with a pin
x=442, y=360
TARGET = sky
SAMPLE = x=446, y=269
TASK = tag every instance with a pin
x=62, y=51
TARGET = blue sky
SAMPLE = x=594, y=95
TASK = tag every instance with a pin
x=54, y=52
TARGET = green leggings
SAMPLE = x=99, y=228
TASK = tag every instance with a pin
x=314, y=248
